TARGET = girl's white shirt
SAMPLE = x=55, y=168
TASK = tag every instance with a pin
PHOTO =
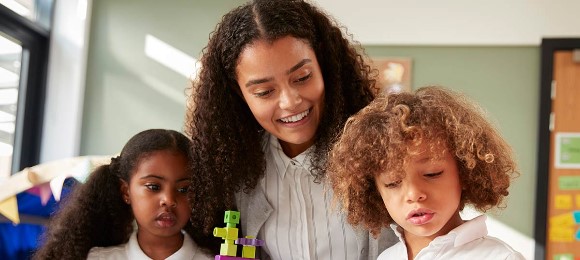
x=468, y=241
x=132, y=250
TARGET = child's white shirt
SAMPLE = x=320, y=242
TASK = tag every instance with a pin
x=132, y=250
x=467, y=241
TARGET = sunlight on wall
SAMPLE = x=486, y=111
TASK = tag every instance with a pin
x=171, y=57
x=518, y=241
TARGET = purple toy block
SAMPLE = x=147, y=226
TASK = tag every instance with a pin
x=249, y=242
x=225, y=257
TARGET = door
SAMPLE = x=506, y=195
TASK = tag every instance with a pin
x=558, y=189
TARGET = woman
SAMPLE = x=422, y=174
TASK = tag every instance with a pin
x=278, y=81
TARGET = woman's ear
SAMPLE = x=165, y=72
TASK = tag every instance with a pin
x=125, y=192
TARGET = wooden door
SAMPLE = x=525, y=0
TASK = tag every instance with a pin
x=556, y=225
x=563, y=212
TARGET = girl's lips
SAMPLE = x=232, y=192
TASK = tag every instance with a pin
x=420, y=216
x=166, y=219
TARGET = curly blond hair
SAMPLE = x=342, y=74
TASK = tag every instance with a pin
x=379, y=138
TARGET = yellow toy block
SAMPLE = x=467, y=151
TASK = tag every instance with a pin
x=228, y=249
x=249, y=252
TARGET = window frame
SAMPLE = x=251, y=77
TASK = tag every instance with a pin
x=34, y=40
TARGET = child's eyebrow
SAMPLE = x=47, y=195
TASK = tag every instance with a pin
x=152, y=176
x=161, y=178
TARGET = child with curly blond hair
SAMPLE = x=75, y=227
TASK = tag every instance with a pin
x=414, y=160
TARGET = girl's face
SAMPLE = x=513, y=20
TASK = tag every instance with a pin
x=283, y=86
x=425, y=202
x=157, y=192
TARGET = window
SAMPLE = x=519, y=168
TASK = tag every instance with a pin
x=24, y=38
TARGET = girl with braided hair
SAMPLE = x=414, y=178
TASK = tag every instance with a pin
x=147, y=184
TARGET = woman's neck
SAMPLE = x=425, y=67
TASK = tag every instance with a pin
x=293, y=150
x=159, y=247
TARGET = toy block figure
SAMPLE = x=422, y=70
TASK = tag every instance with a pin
x=230, y=235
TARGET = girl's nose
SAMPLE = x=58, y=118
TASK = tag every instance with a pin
x=169, y=200
x=415, y=193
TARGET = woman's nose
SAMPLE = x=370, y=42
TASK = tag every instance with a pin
x=289, y=98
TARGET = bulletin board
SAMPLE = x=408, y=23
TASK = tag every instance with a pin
x=557, y=221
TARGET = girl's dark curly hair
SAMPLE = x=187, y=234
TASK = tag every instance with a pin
x=226, y=136
x=95, y=215
x=379, y=138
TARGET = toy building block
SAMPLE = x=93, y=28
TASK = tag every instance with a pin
x=232, y=218
x=230, y=235
x=249, y=244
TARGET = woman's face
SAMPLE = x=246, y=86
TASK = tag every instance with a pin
x=282, y=84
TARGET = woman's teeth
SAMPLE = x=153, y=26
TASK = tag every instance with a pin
x=295, y=118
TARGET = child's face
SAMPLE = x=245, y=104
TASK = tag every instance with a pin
x=157, y=192
x=425, y=202
x=283, y=86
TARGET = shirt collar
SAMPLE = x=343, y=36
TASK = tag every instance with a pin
x=282, y=161
x=187, y=250
x=461, y=235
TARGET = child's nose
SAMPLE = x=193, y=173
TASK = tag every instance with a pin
x=168, y=200
x=415, y=193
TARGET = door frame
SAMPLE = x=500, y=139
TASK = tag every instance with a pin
x=548, y=47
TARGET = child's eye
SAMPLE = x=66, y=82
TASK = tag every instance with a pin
x=433, y=175
x=183, y=190
x=263, y=93
x=392, y=185
x=153, y=187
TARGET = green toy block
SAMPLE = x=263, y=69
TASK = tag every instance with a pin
x=232, y=217
x=249, y=252
x=228, y=249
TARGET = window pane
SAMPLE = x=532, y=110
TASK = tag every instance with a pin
x=38, y=11
x=10, y=61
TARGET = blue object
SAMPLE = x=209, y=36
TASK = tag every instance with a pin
x=20, y=241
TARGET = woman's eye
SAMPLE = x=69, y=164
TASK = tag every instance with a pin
x=263, y=93
x=183, y=190
x=433, y=175
x=153, y=187
x=305, y=78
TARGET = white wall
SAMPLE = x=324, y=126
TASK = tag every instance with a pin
x=65, y=87
x=456, y=22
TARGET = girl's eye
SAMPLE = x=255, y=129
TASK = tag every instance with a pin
x=433, y=175
x=305, y=78
x=263, y=93
x=392, y=185
x=183, y=190
x=153, y=187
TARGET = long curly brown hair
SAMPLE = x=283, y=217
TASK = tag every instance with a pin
x=226, y=136
x=380, y=137
x=95, y=215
